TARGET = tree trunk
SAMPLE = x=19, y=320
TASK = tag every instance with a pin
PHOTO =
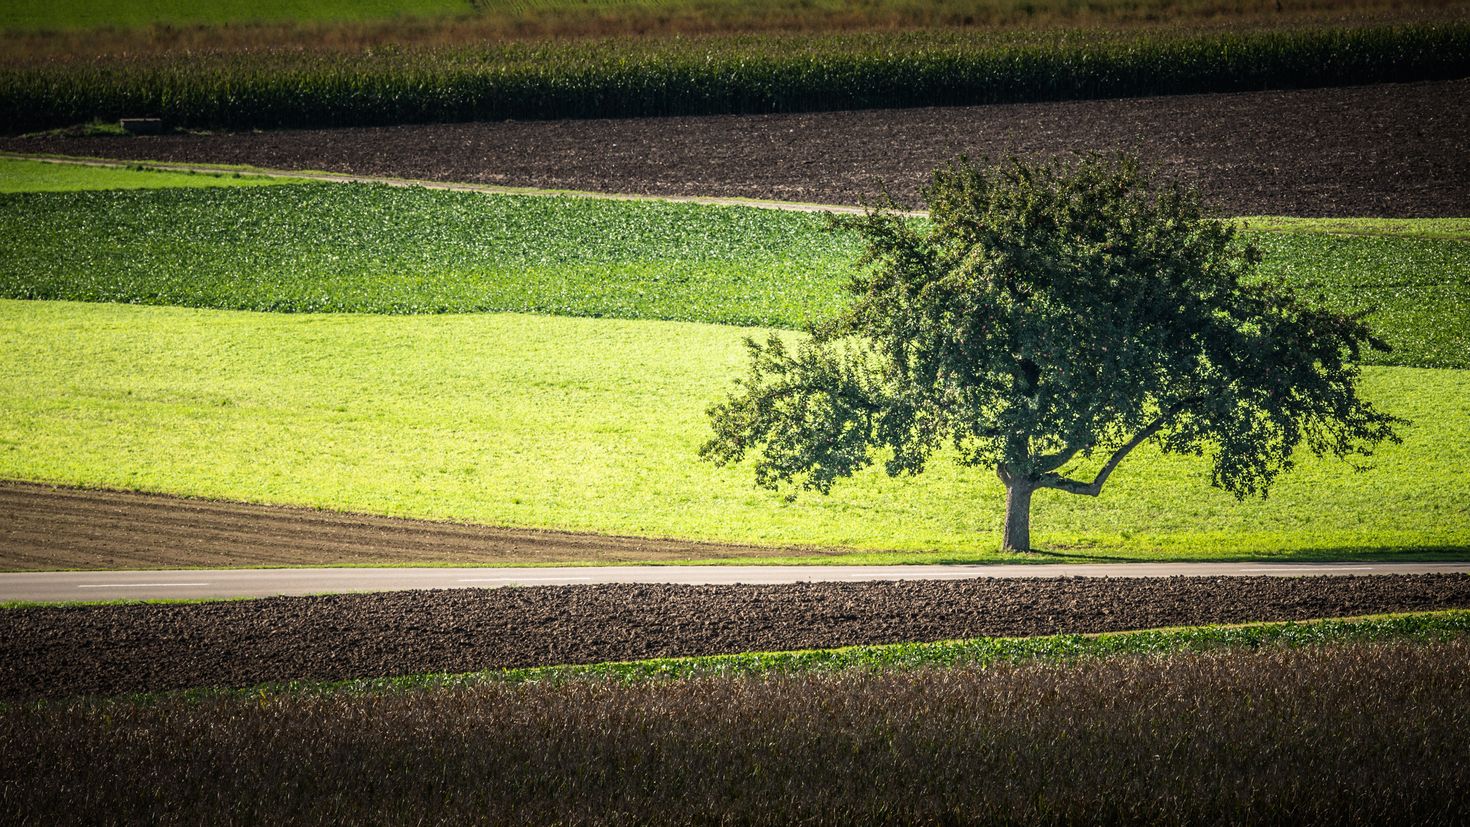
x=1018, y=517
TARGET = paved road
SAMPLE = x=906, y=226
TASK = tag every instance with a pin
x=112, y=585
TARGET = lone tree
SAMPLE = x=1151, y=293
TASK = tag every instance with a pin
x=1047, y=314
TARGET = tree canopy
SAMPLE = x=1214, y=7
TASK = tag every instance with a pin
x=1045, y=314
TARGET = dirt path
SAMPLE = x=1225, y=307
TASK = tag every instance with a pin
x=1387, y=150
x=110, y=649
x=45, y=528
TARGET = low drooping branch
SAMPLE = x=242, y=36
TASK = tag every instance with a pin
x=1094, y=488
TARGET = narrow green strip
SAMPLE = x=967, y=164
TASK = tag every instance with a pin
x=975, y=652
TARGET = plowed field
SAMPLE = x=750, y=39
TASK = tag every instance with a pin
x=1393, y=150
x=45, y=529
x=119, y=648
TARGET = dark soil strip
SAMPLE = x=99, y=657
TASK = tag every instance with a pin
x=1387, y=150
x=44, y=529
x=55, y=651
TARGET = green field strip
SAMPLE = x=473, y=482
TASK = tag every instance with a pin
x=299, y=176
x=972, y=653
x=401, y=250
x=18, y=174
x=1442, y=229
x=593, y=425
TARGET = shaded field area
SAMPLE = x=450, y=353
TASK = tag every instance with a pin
x=1362, y=733
x=109, y=649
x=1393, y=150
x=46, y=529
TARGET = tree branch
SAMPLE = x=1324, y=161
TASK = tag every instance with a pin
x=1057, y=460
x=1092, y=489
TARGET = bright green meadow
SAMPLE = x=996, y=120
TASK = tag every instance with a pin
x=592, y=424
x=378, y=249
x=19, y=175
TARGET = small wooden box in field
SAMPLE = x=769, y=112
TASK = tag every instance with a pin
x=141, y=126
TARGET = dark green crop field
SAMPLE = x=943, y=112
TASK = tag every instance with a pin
x=374, y=249
x=725, y=74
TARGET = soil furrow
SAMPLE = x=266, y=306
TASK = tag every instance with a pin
x=44, y=528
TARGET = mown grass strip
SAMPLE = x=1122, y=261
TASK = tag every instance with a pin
x=22, y=175
x=739, y=74
x=974, y=653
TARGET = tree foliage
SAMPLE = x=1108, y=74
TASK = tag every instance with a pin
x=1048, y=313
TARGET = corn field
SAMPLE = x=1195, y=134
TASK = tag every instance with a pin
x=743, y=74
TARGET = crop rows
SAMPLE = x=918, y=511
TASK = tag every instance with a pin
x=334, y=248
x=1358, y=734
x=764, y=73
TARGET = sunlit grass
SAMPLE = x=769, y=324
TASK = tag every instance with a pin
x=20, y=175
x=594, y=425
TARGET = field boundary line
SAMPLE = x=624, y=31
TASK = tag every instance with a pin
x=1246, y=221
x=486, y=189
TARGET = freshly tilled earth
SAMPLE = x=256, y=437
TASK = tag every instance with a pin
x=1383, y=150
x=99, y=650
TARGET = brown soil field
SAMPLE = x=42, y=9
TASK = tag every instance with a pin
x=70, y=650
x=46, y=529
x=1395, y=150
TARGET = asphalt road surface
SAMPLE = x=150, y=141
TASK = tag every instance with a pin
x=225, y=583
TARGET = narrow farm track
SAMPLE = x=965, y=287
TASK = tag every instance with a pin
x=1391, y=150
x=45, y=528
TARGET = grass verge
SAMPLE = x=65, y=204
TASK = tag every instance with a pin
x=975, y=653
x=593, y=425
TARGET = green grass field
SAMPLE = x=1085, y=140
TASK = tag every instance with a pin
x=17, y=175
x=376, y=249
x=593, y=425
